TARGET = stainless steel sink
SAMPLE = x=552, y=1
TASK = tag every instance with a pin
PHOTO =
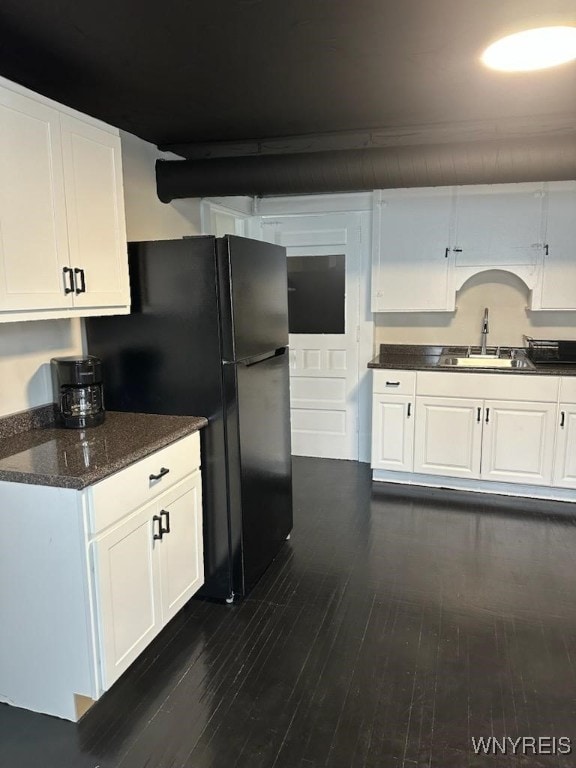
x=485, y=362
x=494, y=357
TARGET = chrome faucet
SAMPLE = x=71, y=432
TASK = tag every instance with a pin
x=484, y=332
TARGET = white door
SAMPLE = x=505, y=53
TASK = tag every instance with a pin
x=518, y=440
x=565, y=460
x=33, y=233
x=127, y=591
x=96, y=226
x=393, y=432
x=324, y=292
x=448, y=436
x=181, y=563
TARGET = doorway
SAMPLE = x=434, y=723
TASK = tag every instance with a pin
x=324, y=315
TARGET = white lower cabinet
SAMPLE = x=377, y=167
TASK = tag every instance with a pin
x=489, y=427
x=448, y=438
x=393, y=432
x=518, y=442
x=146, y=569
x=565, y=454
x=507, y=441
x=89, y=577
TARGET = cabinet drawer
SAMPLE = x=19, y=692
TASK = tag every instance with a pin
x=568, y=389
x=115, y=497
x=488, y=386
x=394, y=382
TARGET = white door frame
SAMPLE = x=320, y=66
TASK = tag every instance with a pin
x=360, y=204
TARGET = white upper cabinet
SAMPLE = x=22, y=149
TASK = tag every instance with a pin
x=96, y=226
x=62, y=229
x=412, y=258
x=33, y=230
x=428, y=242
x=498, y=225
x=557, y=285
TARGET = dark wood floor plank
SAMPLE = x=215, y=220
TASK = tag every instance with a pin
x=394, y=626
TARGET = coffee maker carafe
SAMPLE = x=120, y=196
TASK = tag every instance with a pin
x=78, y=392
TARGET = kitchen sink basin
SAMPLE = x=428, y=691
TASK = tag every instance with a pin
x=485, y=362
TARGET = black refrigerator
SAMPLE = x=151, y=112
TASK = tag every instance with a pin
x=208, y=336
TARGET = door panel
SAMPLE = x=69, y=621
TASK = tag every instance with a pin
x=448, y=436
x=33, y=233
x=411, y=264
x=393, y=432
x=253, y=297
x=498, y=225
x=94, y=196
x=127, y=591
x=518, y=441
x=265, y=483
x=323, y=363
x=181, y=570
x=565, y=461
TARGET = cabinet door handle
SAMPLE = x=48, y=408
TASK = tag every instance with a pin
x=166, y=528
x=409, y=410
x=160, y=533
x=562, y=418
x=487, y=415
x=479, y=415
x=160, y=474
x=68, y=272
x=546, y=250
x=392, y=383
x=82, y=287
x=446, y=252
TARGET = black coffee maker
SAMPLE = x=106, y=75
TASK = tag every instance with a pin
x=78, y=392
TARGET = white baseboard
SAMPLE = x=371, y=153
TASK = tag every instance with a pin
x=477, y=486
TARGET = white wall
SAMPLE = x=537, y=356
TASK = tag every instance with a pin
x=25, y=352
x=146, y=217
x=26, y=348
x=504, y=294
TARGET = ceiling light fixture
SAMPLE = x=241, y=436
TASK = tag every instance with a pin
x=532, y=49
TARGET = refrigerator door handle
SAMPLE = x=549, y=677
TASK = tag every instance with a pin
x=259, y=358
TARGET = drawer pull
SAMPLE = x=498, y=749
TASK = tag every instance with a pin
x=160, y=533
x=166, y=528
x=392, y=383
x=160, y=474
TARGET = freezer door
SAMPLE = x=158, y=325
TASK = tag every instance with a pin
x=253, y=297
x=260, y=464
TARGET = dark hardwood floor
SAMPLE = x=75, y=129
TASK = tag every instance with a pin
x=394, y=627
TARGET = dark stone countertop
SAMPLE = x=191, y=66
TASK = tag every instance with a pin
x=424, y=357
x=35, y=451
